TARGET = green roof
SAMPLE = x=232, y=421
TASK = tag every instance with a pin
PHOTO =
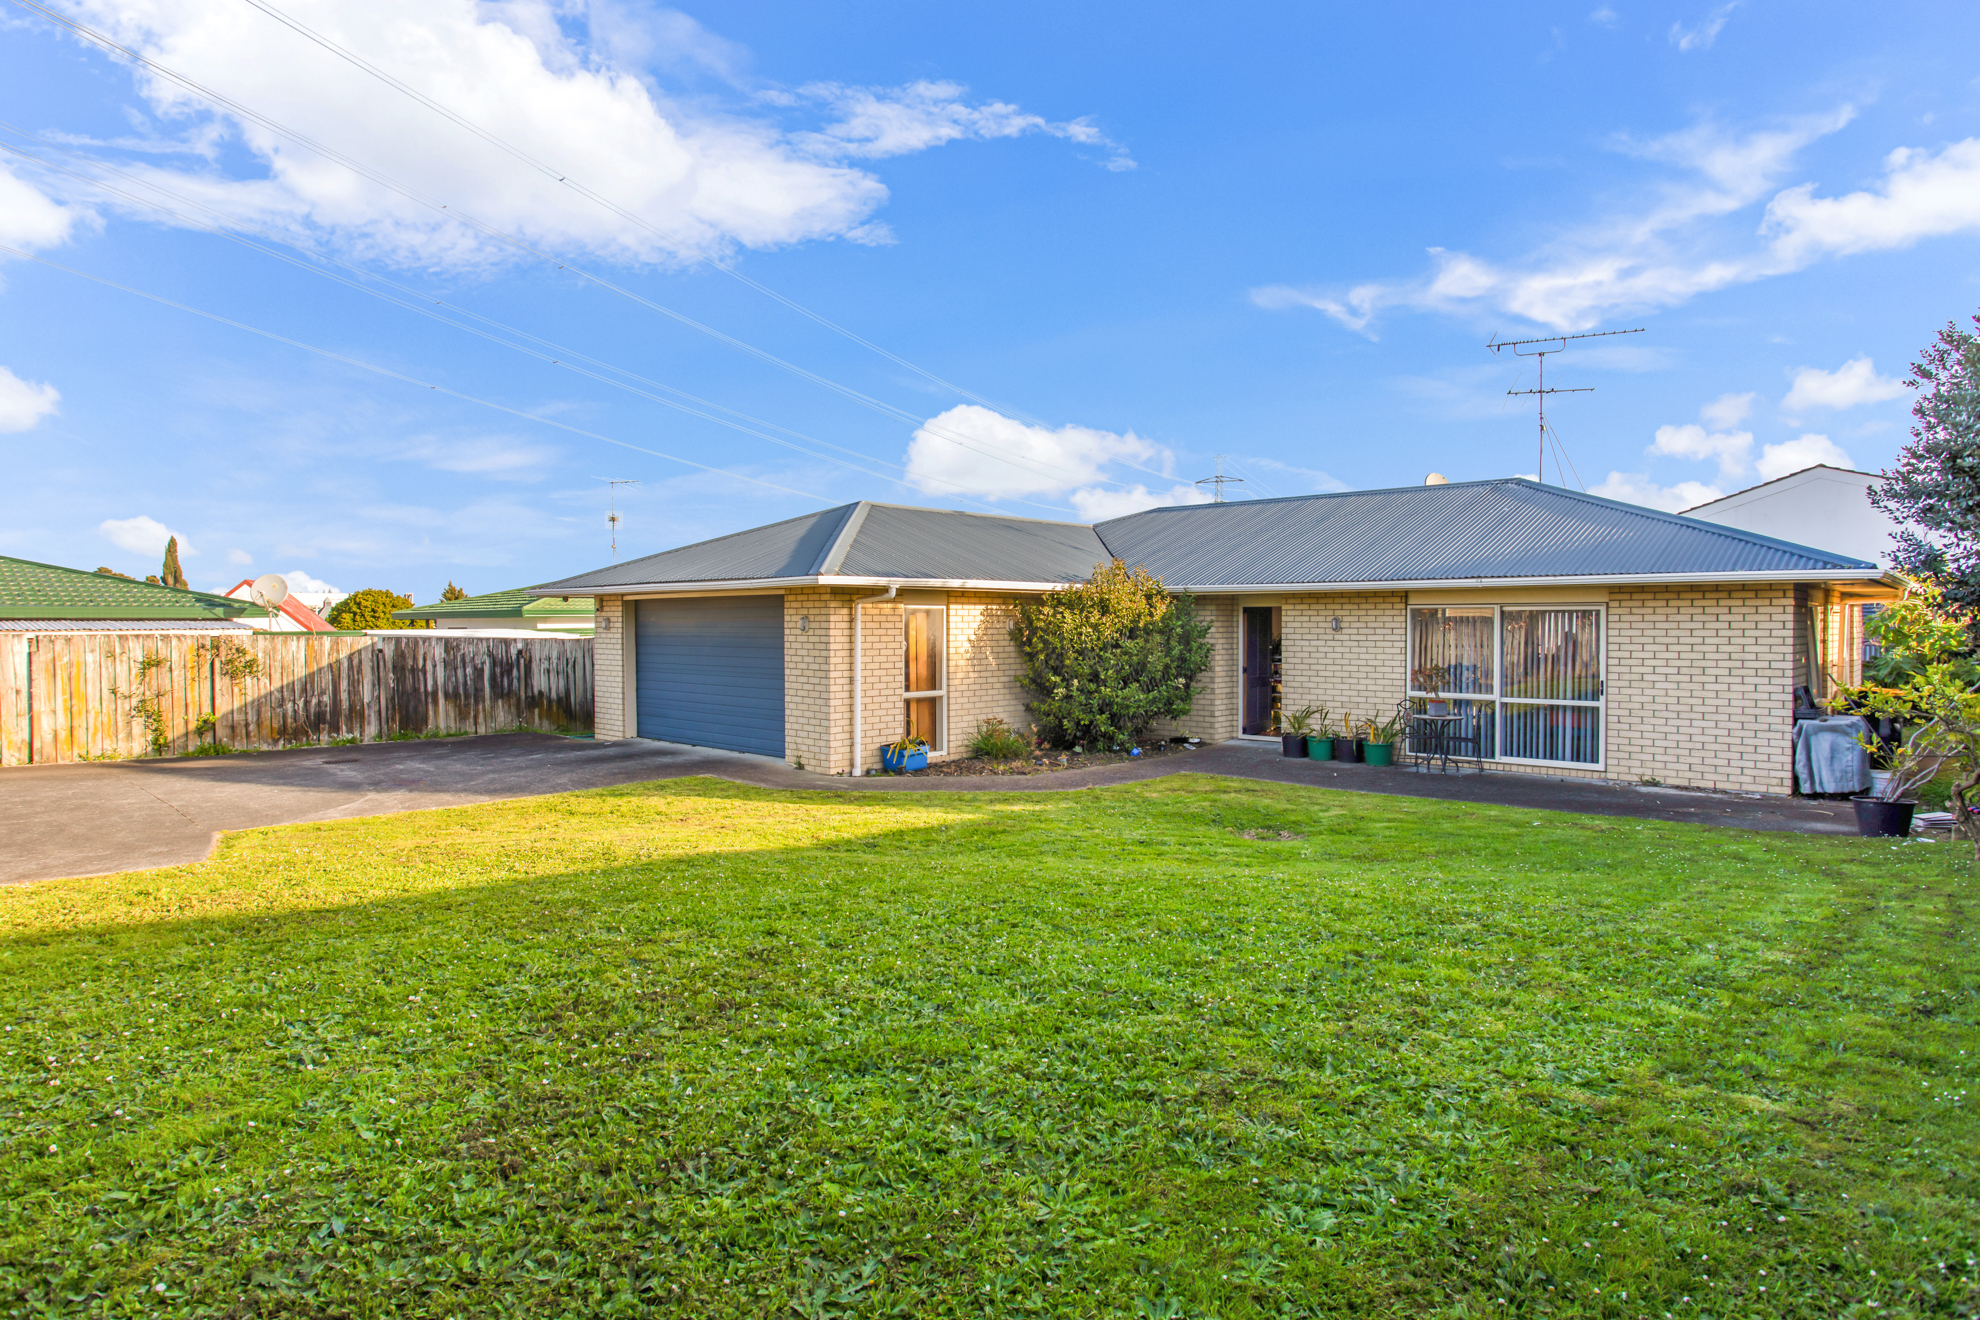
x=47, y=591
x=515, y=603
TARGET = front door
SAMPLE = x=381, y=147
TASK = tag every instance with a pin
x=1258, y=669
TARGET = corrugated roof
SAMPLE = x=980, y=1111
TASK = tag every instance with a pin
x=897, y=541
x=119, y=625
x=515, y=603
x=1509, y=528
x=29, y=590
x=792, y=548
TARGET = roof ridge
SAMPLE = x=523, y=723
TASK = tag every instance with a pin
x=842, y=540
x=971, y=513
x=1316, y=495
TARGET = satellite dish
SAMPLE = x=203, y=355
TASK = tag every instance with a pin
x=269, y=591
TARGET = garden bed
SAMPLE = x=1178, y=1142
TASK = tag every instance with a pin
x=1045, y=763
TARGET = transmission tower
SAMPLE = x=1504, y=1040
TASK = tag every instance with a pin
x=1217, y=482
x=1520, y=349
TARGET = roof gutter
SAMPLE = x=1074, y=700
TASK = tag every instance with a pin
x=1225, y=588
x=859, y=653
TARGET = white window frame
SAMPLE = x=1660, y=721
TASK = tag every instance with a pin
x=941, y=672
x=1499, y=703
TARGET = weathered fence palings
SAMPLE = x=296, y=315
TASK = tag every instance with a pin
x=91, y=696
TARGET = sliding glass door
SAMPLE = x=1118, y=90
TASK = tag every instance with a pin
x=1530, y=677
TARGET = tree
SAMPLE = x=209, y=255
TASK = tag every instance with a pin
x=1935, y=484
x=170, y=575
x=453, y=592
x=1107, y=657
x=372, y=608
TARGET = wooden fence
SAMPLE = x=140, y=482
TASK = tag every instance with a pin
x=95, y=696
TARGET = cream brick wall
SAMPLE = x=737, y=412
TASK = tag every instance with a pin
x=817, y=656
x=983, y=667
x=1700, y=678
x=1358, y=672
x=1213, y=712
x=611, y=717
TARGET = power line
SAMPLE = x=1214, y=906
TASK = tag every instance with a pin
x=400, y=376
x=1035, y=466
x=426, y=311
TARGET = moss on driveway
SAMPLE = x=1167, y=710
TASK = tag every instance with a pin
x=1188, y=1047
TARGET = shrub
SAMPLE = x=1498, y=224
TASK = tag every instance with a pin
x=1107, y=657
x=453, y=592
x=372, y=608
x=994, y=740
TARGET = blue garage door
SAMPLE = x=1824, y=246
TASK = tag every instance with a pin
x=711, y=672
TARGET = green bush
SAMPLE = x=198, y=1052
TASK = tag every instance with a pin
x=1107, y=657
x=994, y=740
x=372, y=608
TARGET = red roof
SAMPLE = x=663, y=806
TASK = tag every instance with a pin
x=292, y=608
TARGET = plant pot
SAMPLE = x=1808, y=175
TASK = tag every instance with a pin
x=1320, y=749
x=1880, y=781
x=1436, y=707
x=1876, y=819
x=1379, y=753
x=900, y=762
x=1347, y=749
x=1292, y=744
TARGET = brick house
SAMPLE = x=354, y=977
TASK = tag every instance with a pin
x=1581, y=636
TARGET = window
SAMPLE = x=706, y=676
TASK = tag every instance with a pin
x=1529, y=678
x=924, y=684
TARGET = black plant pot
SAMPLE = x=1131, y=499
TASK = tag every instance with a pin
x=1877, y=819
x=1292, y=744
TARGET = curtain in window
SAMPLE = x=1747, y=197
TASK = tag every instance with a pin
x=1460, y=640
x=1551, y=685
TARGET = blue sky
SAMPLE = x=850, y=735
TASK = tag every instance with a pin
x=1102, y=245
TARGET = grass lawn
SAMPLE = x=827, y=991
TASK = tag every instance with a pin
x=1191, y=1047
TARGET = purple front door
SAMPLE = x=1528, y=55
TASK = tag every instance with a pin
x=1257, y=670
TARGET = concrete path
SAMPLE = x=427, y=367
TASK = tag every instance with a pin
x=68, y=820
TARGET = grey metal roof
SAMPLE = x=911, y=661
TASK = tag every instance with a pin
x=1508, y=528
x=895, y=540
x=792, y=548
x=868, y=540
x=1505, y=529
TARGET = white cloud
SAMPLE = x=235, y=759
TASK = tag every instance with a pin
x=1636, y=488
x=1676, y=242
x=239, y=557
x=1727, y=411
x=1854, y=382
x=986, y=453
x=1701, y=35
x=141, y=536
x=30, y=219
x=1805, y=452
x=1729, y=449
x=549, y=77
x=23, y=404
x=499, y=457
x=1922, y=195
x=310, y=589
x=890, y=121
x=1605, y=17
x=1097, y=504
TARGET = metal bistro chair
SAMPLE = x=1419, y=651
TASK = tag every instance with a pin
x=1441, y=739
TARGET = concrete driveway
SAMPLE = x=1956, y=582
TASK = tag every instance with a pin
x=69, y=820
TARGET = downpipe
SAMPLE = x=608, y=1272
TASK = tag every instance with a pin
x=859, y=656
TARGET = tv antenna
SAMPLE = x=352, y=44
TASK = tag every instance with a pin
x=1520, y=348
x=269, y=591
x=613, y=517
x=1217, y=482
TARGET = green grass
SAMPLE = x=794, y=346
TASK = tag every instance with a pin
x=697, y=1049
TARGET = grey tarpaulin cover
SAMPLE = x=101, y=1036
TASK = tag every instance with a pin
x=1827, y=756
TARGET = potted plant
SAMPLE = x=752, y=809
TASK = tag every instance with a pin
x=1294, y=729
x=1430, y=680
x=1381, y=748
x=1347, y=747
x=1316, y=723
x=910, y=753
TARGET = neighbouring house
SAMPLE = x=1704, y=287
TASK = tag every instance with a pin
x=512, y=610
x=1829, y=506
x=293, y=616
x=46, y=598
x=1582, y=636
